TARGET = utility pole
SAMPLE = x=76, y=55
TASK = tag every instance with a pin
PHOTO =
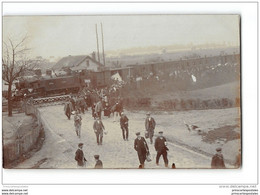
x=97, y=45
x=104, y=62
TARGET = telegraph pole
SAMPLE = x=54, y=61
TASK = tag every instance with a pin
x=97, y=45
x=104, y=62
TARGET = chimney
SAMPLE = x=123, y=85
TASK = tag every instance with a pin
x=94, y=56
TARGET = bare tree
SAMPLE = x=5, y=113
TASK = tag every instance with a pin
x=14, y=63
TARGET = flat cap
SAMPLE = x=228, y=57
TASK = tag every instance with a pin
x=218, y=149
x=80, y=144
x=160, y=131
x=137, y=133
x=96, y=156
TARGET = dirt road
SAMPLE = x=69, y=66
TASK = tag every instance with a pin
x=61, y=142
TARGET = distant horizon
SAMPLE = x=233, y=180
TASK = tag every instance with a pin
x=76, y=35
x=109, y=55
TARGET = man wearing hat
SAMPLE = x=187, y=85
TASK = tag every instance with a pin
x=217, y=161
x=161, y=148
x=150, y=126
x=77, y=123
x=99, y=164
x=141, y=147
x=124, y=126
x=98, y=129
x=79, y=156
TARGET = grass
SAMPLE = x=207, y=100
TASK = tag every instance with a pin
x=225, y=134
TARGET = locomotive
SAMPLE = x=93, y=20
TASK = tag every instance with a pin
x=71, y=83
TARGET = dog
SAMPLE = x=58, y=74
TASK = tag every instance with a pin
x=192, y=127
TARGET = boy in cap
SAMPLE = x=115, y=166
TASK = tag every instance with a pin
x=150, y=126
x=161, y=148
x=99, y=164
x=79, y=156
x=217, y=161
x=141, y=147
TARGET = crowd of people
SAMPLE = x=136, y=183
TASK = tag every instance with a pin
x=73, y=106
x=185, y=77
x=109, y=102
x=140, y=144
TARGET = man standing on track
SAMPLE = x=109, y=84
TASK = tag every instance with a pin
x=124, y=126
x=161, y=148
x=150, y=126
x=98, y=129
x=142, y=149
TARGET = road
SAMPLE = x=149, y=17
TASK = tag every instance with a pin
x=58, y=150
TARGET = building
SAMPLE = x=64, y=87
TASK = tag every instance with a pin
x=79, y=63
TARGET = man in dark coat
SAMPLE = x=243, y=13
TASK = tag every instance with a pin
x=99, y=164
x=124, y=126
x=68, y=109
x=150, y=126
x=142, y=149
x=161, y=148
x=98, y=129
x=217, y=161
x=79, y=156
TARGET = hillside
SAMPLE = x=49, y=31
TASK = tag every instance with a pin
x=229, y=90
x=168, y=98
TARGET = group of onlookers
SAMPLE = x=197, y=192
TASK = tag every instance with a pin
x=79, y=105
x=140, y=144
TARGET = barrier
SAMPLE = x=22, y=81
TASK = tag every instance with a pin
x=24, y=139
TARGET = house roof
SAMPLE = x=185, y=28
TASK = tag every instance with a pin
x=73, y=61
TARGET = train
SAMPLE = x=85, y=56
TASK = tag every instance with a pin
x=73, y=82
x=46, y=86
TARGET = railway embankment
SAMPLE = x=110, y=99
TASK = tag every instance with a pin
x=23, y=135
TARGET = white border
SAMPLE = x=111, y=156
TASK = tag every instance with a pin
x=248, y=174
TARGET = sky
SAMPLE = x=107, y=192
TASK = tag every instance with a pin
x=76, y=35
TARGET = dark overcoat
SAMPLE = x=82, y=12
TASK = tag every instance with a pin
x=79, y=157
x=217, y=162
